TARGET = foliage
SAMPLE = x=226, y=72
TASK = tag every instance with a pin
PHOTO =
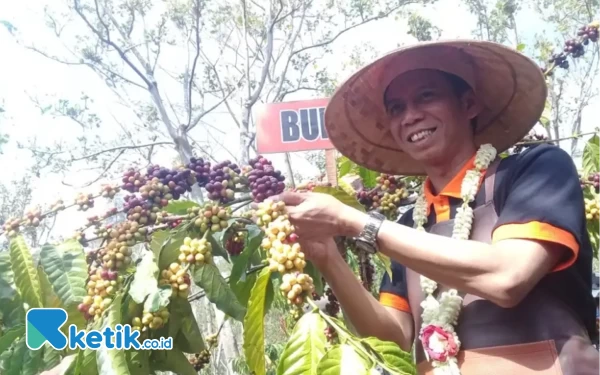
x=181, y=239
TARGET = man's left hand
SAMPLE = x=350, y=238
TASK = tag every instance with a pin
x=317, y=215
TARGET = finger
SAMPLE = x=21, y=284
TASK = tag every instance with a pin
x=290, y=198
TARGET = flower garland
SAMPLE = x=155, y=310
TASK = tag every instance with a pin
x=439, y=339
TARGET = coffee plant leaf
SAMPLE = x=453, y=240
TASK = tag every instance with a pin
x=112, y=361
x=10, y=336
x=138, y=361
x=368, y=177
x=66, y=268
x=50, y=358
x=145, y=278
x=254, y=325
x=11, y=306
x=305, y=347
x=390, y=356
x=183, y=322
x=171, y=360
x=243, y=288
x=165, y=246
x=209, y=278
x=51, y=299
x=242, y=261
x=20, y=360
x=344, y=359
x=158, y=298
x=216, y=246
x=179, y=207
x=591, y=156
x=33, y=361
x=345, y=166
x=88, y=363
x=222, y=235
x=313, y=272
x=386, y=263
x=26, y=277
x=340, y=195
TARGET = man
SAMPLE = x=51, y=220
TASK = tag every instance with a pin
x=505, y=238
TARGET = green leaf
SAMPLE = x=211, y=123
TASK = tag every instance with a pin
x=112, y=361
x=51, y=299
x=386, y=263
x=26, y=277
x=345, y=167
x=180, y=207
x=340, y=195
x=243, y=288
x=216, y=247
x=344, y=359
x=138, y=361
x=14, y=364
x=305, y=347
x=254, y=325
x=11, y=305
x=76, y=365
x=241, y=262
x=11, y=336
x=165, y=247
x=190, y=340
x=313, y=272
x=32, y=362
x=145, y=278
x=51, y=357
x=208, y=277
x=171, y=360
x=222, y=235
x=66, y=268
x=369, y=177
x=591, y=156
x=158, y=298
x=89, y=363
x=392, y=357
x=521, y=47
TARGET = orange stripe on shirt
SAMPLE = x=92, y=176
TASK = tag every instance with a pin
x=394, y=301
x=536, y=230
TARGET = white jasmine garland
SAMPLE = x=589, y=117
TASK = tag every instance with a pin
x=444, y=312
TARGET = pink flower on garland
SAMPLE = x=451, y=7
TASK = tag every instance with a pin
x=438, y=343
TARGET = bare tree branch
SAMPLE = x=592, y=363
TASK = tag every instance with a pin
x=191, y=78
x=132, y=147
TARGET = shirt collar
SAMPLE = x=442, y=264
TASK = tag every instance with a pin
x=452, y=189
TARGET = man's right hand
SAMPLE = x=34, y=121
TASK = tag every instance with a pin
x=320, y=251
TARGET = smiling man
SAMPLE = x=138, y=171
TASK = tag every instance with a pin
x=491, y=269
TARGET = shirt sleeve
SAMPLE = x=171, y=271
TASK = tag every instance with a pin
x=393, y=291
x=542, y=200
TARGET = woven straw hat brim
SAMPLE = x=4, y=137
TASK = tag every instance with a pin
x=509, y=85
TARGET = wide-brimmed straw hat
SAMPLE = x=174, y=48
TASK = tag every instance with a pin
x=509, y=85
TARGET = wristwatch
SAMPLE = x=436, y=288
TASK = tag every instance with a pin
x=367, y=239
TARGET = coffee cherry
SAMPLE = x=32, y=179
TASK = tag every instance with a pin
x=223, y=179
x=330, y=334
x=84, y=201
x=178, y=278
x=101, y=287
x=235, y=244
x=109, y=191
x=201, y=168
x=210, y=217
x=133, y=180
x=11, y=227
x=33, y=217
x=196, y=251
x=211, y=340
x=57, y=206
x=332, y=307
x=200, y=360
x=152, y=321
x=263, y=180
x=592, y=209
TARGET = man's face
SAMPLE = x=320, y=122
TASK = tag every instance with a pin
x=428, y=120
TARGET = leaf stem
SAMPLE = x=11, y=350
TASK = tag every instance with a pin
x=348, y=337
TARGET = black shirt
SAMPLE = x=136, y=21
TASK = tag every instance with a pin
x=537, y=196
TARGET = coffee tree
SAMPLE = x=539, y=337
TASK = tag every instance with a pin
x=101, y=279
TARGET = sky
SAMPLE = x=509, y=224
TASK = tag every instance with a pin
x=25, y=74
